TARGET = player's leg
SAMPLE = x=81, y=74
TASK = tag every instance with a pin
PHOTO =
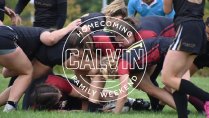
x=18, y=62
x=147, y=86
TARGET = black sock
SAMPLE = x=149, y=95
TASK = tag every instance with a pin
x=197, y=103
x=12, y=103
x=93, y=107
x=154, y=103
x=188, y=87
x=181, y=104
x=12, y=81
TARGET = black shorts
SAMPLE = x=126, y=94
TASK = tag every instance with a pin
x=7, y=40
x=201, y=61
x=190, y=37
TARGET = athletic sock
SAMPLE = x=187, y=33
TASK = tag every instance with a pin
x=10, y=106
x=188, y=87
x=12, y=103
x=197, y=103
x=154, y=103
x=180, y=100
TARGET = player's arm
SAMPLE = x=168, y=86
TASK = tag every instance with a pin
x=61, y=13
x=51, y=38
x=122, y=97
x=168, y=6
x=131, y=9
x=18, y=10
x=20, y=6
x=123, y=70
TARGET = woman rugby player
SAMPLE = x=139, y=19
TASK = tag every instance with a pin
x=57, y=94
x=18, y=44
x=156, y=50
x=190, y=42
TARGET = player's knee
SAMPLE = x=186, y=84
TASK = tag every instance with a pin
x=5, y=73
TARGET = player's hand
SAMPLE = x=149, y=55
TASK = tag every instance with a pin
x=74, y=24
x=17, y=20
x=12, y=15
x=9, y=12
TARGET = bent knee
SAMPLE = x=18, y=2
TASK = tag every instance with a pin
x=6, y=73
x=150, y=92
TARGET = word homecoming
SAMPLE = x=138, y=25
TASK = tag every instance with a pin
x=118, y=25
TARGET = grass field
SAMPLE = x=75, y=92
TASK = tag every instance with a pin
x=166, y=113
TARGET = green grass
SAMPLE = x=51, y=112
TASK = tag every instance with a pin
x=166, y=113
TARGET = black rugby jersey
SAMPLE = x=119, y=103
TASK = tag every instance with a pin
x=188, y=10
x=28, y=38
x=52, y=55
x=48, y=13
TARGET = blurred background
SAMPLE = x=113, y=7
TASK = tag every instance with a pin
x=76, y=8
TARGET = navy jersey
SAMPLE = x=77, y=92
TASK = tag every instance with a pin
x=2, y=5
x=153, y=26
x=156, y=48
x=188, y=10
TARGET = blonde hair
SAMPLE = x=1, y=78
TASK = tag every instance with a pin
x=117, y=7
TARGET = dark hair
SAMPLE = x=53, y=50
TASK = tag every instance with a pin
x=120, y=12
x=45, y=97
x=79, y=40
x=128, y=23
x=207, y=21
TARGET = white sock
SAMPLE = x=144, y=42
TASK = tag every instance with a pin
x=9, y=108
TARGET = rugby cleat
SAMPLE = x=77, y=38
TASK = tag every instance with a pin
x=140, y=104
x=9, y=108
